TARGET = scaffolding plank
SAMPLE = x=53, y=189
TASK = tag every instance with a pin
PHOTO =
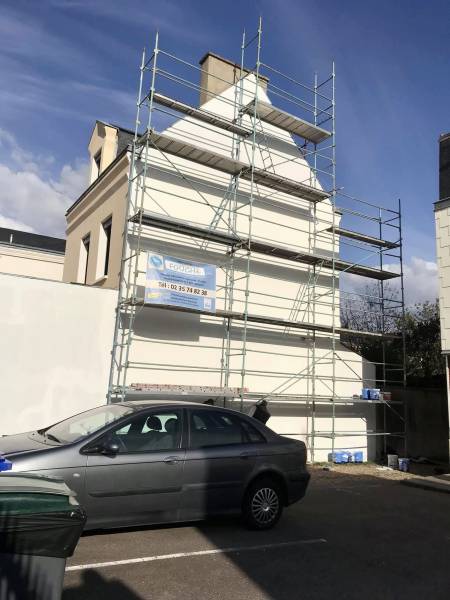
x=195, y=391
x=266, y=320
x=288, y=186
x=228, y=165
x=199, y=393
x=201, y=115
x=184, y=149
x=361, y=237
x=189, y=229
x=284, y=120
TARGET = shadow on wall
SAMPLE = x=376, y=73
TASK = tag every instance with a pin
x=155, y=323
x=219, y=190
x=265, y=267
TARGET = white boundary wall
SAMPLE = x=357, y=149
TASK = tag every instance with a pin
x=55, y=343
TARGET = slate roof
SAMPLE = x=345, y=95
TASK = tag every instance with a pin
x=35, y=241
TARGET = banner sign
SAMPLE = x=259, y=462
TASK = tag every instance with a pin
x=179, y=282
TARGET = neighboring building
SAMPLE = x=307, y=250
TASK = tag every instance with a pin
x=186, y=348
x=442, y=219
x=54, y=346
x=95, y=223
x=30, y=254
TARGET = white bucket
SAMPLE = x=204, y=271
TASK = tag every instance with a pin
x=392, y=461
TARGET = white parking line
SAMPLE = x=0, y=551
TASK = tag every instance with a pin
x=144, y=559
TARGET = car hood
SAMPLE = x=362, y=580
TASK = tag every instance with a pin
x=22, y=443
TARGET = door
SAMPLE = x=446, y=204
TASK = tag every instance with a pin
x=220, y=459
x=141, y=481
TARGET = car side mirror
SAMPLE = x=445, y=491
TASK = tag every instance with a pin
x=109, y=448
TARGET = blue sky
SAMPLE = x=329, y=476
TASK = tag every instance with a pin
x=64, y=63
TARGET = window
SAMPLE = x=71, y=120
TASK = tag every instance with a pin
x=88, y=422
x=148, y=433
x=215, y=428
x=84, y=259
x=254, y=436
x=98, y=162
x=104, y=244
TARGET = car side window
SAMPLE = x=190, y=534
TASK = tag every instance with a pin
x=148, y=432
x=216, y=428
x=253, y=435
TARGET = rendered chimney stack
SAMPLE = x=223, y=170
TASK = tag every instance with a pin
x=218, y=74
x=444, y=166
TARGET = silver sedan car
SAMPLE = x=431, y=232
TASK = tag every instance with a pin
x=139, y=463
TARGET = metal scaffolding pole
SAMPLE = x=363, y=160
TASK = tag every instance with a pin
x=254, y=165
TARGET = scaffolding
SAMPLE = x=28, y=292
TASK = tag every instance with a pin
x=241, y=141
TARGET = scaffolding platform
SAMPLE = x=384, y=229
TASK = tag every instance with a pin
x=183, y=227
x=310, y=205
x=185, y=392
x=266, y=320
x=284, y=120
x=201, y=115
x=361, y=237
x=225, y=164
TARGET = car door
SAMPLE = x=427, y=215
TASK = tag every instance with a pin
x=220, y=459
x=141, y=482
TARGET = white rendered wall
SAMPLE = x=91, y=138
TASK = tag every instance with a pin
x=55, y=348
x=442, y=220
x=187, y=349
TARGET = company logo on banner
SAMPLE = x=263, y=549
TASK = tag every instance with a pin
x=179, y=282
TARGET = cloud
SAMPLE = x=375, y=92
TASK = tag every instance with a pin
x=420, y=280
x=31, y=199
x=160, y=14
x=13, y=224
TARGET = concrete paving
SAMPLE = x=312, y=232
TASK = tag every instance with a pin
x=352, y=537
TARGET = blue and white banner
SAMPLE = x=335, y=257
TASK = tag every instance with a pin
x=178, y=282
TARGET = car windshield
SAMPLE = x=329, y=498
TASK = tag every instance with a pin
x=82, y=425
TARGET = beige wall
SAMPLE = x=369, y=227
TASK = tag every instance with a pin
x=104, y=139
x=16, y=260
x=106, y=199
x=442, y=221
x=218, y=74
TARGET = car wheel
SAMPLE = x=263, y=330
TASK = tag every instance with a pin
x=263, y=504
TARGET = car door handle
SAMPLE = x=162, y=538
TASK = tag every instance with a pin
x=245, y=455
x=172, y=460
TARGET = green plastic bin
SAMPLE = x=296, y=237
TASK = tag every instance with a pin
x=40, y=525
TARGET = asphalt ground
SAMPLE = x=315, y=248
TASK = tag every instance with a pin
x=353, y=536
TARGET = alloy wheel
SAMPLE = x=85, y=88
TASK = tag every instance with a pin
x=265, y=504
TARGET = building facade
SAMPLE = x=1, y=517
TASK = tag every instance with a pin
x=31, y=255
x=442, y=221
x=298, y=369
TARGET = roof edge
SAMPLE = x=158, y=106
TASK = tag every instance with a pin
x=442, y=203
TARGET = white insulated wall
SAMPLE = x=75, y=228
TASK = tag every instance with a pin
x=179, y=348
x=55, y=348
x=442, y=220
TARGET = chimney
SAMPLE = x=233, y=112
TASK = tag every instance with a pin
x=218, y=74
x=444, y=166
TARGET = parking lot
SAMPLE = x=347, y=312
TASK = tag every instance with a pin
x=354, y=536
